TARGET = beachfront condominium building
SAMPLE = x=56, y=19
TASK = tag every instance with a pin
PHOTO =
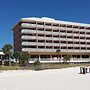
x=50, y=39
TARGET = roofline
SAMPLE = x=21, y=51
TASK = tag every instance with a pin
x=51, y=20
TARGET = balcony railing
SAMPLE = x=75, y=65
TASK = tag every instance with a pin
x=48, y=32
x=28, y=43
x=55, y=38
x=28, y=37
x=48, y=44
x=41, y=44
x=27, y=25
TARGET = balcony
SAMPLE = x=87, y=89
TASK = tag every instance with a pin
x=87, y=45
x=87, y=35
x=62, y=33
x=28, y=37
x=69, y=29
x=48, y=32
x=62, y=28
x=76, y=50
x=48, y=44
x=76, y=45
x=63, y=39
x=70, y=45
x=56, y=44
x=41, y=44
x=48, y=27
x=27, y=25
x=83, y=50
x=27, y=31
x=87, y=30
x=48, y=38
x=69, y=39
x=40, y=26
x=63, y=45
x=77, y=40
x=82, y=30
x=40, y=32
x=82, y=45
x=82, y=40
x=69, y=34
x=87, y=40
x=29, y=49
x=57, y=39
x=75, y=29
x=75, y=34
x=82, y=35
x=40, y=38
x=55, y=33
x=55, y=27
x=28, y=43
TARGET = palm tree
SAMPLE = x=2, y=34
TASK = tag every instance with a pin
x=66, y=58
x=7, y=51
x=16, y=56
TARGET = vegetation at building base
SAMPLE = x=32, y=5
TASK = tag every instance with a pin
x=22, y=61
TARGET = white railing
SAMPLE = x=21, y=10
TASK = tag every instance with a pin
x=28, y=25
x=48, y=27
x=28, y=43
x=82, y=40
x=40, y=26
x=76, y=50
x=28, y=49
x=69, y=29
x=62, y=28
x=28, y=37
x=82, y=50
x=41, y=44
x=40, y=32
x=55, y=38
x=82, y=45
x=69, y=45
x=69, y=34
x=48, y=44
x=82, y=30
x=87, y=30
x=63, y=44
x=56, y=44
x=55, y=33
x=63, y=39
x=87, y=45
x=41, y=38
x=48, y=32
x=82, y=35
x=69, y=39
x=87, y=40
x=87, y=35
x=75, y=34
x=75, y=29
x=76, y=40
x=76, y=45
x=62, y=33
x=48, y=38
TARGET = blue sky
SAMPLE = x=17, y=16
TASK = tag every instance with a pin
x=12, y=10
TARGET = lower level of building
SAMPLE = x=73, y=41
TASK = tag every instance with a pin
x=59, y=56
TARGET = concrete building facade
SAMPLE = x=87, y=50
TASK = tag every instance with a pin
x=43, y=37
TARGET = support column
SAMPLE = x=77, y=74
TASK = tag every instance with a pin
x=89, y=57
x=39, y=58
x=80, y=57
x=51, y=57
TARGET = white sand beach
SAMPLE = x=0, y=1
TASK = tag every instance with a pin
x=59, y=79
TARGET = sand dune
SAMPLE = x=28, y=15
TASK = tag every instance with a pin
x=59, y=79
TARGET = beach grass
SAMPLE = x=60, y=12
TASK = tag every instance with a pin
x=42, y=66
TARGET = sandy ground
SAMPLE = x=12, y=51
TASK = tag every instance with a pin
x=59, y=79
